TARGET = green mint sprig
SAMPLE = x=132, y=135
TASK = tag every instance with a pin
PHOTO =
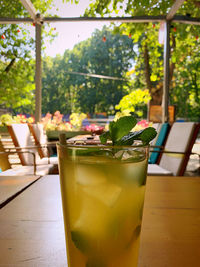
x=120, y=132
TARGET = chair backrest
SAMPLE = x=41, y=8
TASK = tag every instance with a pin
x=40, y=138
x=157, y=127
x=4, y=161
x=181, y=139
x=160, y=141
x=21, y=138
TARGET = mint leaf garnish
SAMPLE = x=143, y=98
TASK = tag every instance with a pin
x=105, y=137
x=119, y=132
x=80, y=241
x=118, y=129
x=135, y=235
x=145, y=135
x=121, y=127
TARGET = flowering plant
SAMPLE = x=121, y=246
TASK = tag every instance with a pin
x=76, y=120
x=94, y=129
x=55, y=122
x=7, y=119
x=23, y=119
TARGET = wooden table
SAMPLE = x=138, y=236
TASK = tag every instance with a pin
x=11, y=186
x=32, y=232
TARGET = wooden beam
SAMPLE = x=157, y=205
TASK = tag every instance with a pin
x=135, y=19
x=30, y=8
x=186, y=20
x=15, y=20
x=176, y=18
x=174, y=9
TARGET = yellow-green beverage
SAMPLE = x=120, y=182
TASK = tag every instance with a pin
x=103, y=195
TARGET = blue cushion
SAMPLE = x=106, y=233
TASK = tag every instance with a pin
x=159, y=142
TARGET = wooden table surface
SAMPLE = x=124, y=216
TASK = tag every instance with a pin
x=32, y=231
x=11, y=186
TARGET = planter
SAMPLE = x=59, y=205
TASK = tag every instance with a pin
x=54, y=135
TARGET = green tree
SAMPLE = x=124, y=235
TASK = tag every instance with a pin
x=58, y=91
x=17, y=91
x=184, y=88
x=105, y=54
x=111, y=57
x=16, y=64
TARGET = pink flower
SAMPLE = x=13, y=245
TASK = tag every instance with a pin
x=143, y=123
x=94, y=128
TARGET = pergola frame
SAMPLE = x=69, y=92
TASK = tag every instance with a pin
x=39, y=20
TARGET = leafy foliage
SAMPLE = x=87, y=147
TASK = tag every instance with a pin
x=134, y=102
x=67, y=91
x=16, y=64
x=185, y=44
x=17, y=86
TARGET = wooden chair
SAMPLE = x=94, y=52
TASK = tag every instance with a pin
x=22, y=140
x=159, y=142
x=45, y=148
x=177, y=150
x=4, y=162
x=7, y=170
x=157, y=127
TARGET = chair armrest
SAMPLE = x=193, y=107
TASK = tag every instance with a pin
x=17, y=152
x=173, y=152
x=26, y=147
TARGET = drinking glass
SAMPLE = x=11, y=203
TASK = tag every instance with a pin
x=102, y=190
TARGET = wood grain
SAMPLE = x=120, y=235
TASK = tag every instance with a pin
x=171, y=223
x=11, y=186
x=32, y=231
x=31, y=227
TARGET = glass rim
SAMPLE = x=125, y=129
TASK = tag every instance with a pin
x=100, y=146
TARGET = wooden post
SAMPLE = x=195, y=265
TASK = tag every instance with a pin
x=38, y=74
x=165, y=99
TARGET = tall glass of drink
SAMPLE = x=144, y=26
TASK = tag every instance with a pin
x=102, y=188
